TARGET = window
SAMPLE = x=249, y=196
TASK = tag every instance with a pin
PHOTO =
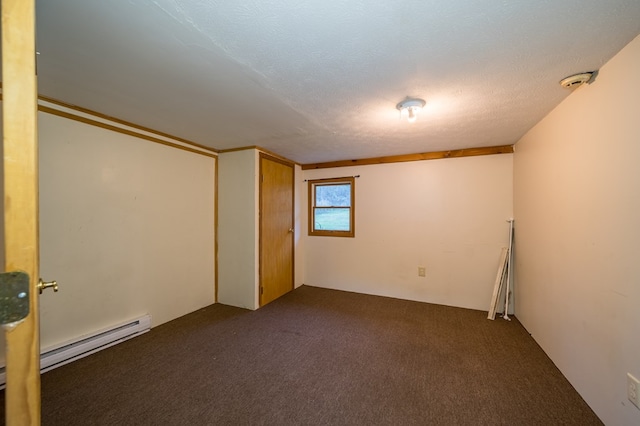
x=331, y=207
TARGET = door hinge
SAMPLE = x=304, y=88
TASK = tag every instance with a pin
x=14, y=296
x=261, y=290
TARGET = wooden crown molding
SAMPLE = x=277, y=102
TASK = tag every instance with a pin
x=80, y=114
x=468, y=152
x=187, y=145
x=261, y=149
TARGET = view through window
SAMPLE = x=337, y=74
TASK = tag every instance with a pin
x=331, y=207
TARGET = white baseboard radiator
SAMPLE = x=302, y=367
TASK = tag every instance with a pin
x=65, y=353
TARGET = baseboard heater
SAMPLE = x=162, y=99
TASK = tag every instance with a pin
x=68, y=352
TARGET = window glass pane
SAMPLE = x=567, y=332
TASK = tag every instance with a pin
x=332, y=219
x=333, y=195
x=331, y=207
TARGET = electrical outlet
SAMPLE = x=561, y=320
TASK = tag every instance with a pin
x=422, y=271
x=633, y=390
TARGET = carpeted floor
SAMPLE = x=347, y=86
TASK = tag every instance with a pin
x=319, y=357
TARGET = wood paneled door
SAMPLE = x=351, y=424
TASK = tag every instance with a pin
x=276, y=228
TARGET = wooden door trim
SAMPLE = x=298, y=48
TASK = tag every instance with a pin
x=293, y=203
x=20, y=97
x=215, y=229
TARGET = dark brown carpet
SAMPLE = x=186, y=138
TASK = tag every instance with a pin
x=319, y=357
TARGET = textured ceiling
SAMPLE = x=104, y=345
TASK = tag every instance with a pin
x=318, y=80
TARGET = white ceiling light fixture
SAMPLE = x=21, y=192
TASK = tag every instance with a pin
x=410, y=107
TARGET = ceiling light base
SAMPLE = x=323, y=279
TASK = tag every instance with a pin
x=411, y=103
x=410, y=108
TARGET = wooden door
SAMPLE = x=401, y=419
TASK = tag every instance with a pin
x=276, y=228
x=21, y=204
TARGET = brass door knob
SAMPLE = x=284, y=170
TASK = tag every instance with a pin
x=43, y=285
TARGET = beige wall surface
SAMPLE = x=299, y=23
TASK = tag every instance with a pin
x=577, y=210
x=449, y=216
x=238, y=229
x=126, y=228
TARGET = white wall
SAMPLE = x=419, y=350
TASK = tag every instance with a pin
x=126, y=228
x=238, y=229
x=447, y=215
x=577, y=206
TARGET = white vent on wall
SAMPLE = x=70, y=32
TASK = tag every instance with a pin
x=67, y=352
